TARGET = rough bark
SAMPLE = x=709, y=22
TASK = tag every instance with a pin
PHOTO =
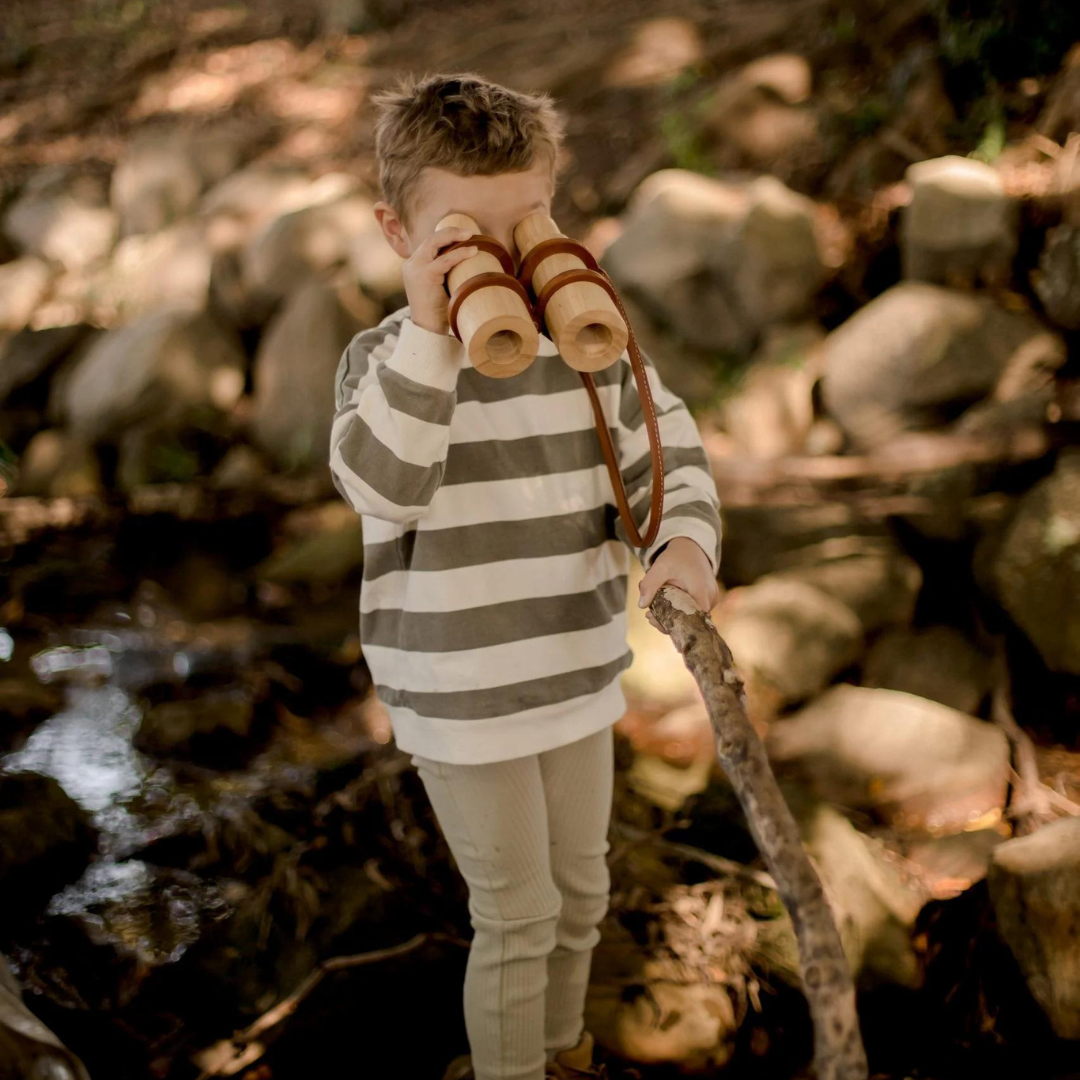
x=827, y=981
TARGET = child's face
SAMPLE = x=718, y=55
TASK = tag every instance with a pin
x=497, y=203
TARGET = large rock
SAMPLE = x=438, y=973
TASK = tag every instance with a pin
x=759, y=539
x=27, y=1047
x=1036, y=572
x=936, y=662
x=252, y=197
x=163, y=366
x=880, y=583
x=717, y=262
x=57, y=464
x=919, y=354
x=294, y=402
x=63, y=220
x=788, y=639
x=314, y=242
x=875, y=905
x=771, y=413
x=161, y=174
x=1057, y=280
x=960, y=227
x=169, y=268
x=761, y=116
x=913, y=762
x=29, y=357
x=1035, y=887
x=23, y=285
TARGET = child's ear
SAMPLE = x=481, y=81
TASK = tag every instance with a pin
x=393, y=228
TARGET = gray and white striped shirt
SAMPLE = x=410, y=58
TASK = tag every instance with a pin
x=493, y=603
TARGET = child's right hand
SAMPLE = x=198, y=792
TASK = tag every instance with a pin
x=424, y=272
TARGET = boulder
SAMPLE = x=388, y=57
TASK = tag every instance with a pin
x=329, y=550
x=936, y=662
x=918, y=355
x=789, y=641
x=30, y=356
x=27, y=1047
x=1036, y=570
x=875, y=904
x=24, y=283
x=760, y=539
x=717, y=262
x=294, y=402
x=913, y=762
x=692, y=373
x=57, y=464
x=880, y=583
x=771, y=413
x=761, y=117
x=161, y=174
x=253, y=196
x=169, y=268
x=1057, y=280
x=306, y=244
x=62, y=219
x=164, y=367
x=960, y=226
x=1034, y=884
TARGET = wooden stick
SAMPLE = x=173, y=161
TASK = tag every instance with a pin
x=827, y=981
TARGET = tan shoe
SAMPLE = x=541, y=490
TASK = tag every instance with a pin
x=460, y=1069
x=576, y=1063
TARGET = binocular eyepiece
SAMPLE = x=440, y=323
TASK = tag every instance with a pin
x=497, y=315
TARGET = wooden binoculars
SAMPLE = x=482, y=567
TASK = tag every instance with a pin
x=493, y=315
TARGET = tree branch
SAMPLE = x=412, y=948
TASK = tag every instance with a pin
x=827, y=981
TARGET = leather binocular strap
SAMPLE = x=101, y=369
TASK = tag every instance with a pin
x=491, y=277
x=589, y=272
x=479, y=281
x=554, y=245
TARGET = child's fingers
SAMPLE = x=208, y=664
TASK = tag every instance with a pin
x=440, y=238
x=452, y=258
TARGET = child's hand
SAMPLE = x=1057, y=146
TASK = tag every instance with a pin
x=424, y=272
x=684, y=564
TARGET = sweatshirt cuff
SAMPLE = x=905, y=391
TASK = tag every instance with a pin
x=694, y=529
x=426, y=357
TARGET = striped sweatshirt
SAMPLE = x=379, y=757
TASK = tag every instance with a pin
x=493, y=600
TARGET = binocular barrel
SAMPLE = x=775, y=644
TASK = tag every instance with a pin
x=494, y=323
x=581, y=317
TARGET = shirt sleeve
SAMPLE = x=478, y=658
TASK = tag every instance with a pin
x=395, y=393
x=691, y=503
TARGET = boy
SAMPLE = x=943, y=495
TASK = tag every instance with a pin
x=492, y=610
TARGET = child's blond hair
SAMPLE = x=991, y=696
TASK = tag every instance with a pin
x=462, y=123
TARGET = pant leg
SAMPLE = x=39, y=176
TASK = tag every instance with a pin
x=495, y=821
x=578, y=783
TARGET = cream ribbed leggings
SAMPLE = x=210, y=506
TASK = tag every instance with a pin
x=530, y=837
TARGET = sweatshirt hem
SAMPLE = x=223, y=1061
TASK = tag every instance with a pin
x=503, y=738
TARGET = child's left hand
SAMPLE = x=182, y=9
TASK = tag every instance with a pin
x=681, y=563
